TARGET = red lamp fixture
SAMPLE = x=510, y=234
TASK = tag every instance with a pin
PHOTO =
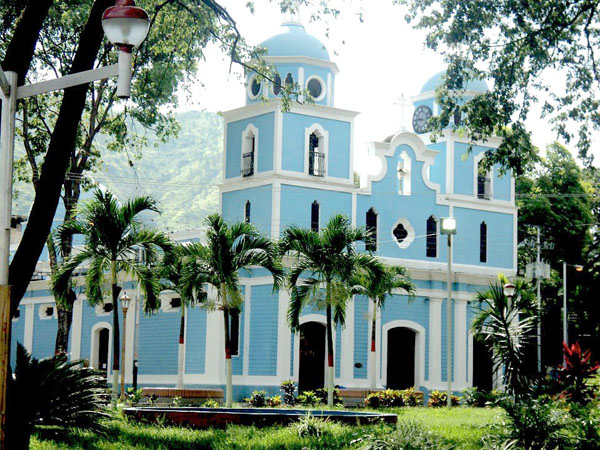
x=126, y=26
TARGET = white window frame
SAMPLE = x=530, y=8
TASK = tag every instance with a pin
x=42, y=311
x=246, y=135
x=323, y=136
x=410, y=237
x=165, y=302
x=490, y=174
x=323, y=87
x=249, y=88
x=99, y=308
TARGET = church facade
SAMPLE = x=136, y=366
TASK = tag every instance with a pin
x=297, y=167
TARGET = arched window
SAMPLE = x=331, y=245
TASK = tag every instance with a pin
x=247, y=212
x=484, y=183
x=316, y=156
x=371, y=221
x=249, y=150
x=277, y=85
x=234, y=332
x=314, y=216
x=289, y=80
x=404, y=175
x=431, y=241
x=483, y=242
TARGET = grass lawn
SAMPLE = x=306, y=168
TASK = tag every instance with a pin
x=462, y=427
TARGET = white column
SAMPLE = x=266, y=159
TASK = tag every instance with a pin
x=29, y=319
x=284, y=337
x=76, y=329
x=435, y=340
x=247, y=309
x=347, y=361
x=301, y=83
x=460, y=343
x=214, y=361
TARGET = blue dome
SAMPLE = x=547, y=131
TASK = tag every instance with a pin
x=295, y=42
x=438, y=78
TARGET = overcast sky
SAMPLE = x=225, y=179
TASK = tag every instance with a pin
x=380, y=61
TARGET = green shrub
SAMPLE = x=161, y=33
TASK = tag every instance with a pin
x=211, y=404
x=322, y=394
x=274, y=401
x=258, y=399
x=385, y=399
x=412, y=397
x=408, y=436
x=309, y=426
x=133, y=396
x=477, y=397
x=309, y=398
x=289, y=392
x=438, y=398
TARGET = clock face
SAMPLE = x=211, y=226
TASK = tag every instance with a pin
x=420, y=118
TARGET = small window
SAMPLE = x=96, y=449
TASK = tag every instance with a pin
x=248, y=153
x=483, y=242
x=457, y=117
x=255, y=87
x=400, y=233
x=247, y=212
x=371, y=220
x=107, y=307
x=316, y=156
x=289, y=81
x=315, y=88
x=234, y=332
x=277, y=85
x=431, y=241
x=314, y=217
x=484, y=189
x=175, y=302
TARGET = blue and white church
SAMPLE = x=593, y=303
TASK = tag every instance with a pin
x=296, y=166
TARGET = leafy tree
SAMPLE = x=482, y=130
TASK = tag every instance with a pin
x=324, y=263
x=507, y=333
x=112, y=234
x=171, y=271
x=378, y=286
x=228, y=249
x=517, y=45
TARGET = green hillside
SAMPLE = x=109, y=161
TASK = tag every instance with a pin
x=182, y=174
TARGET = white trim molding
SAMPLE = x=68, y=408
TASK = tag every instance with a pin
x=410, y=236
x=419, y=363
x=323, y=136
x=94, y=346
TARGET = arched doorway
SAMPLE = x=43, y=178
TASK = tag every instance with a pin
x=101, y=345
x=312, y=356
x=400, y=358
x=483, y=368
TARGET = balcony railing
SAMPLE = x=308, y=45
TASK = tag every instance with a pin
x=483, y=188
x=248, y=164
x=316, y=164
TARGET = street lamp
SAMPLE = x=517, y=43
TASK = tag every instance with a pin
x=509, y=290
x=125, y=25
x=448, y=227
x=125, y=306
x=578, y=268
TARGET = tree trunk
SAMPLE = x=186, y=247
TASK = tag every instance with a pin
x=180, y=355
x=330, y=366
x=228, y=374
x=60, y=148
x=373, y=353
x=115, y=298
x=65, y=319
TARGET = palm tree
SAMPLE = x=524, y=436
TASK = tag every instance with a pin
x=507, y=334
x=229, y=249
x=325, y=259
x=112, y=236
x=377, y=288
x=172, y=278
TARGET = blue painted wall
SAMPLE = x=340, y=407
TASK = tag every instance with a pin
x=159, y=343
x=234, y=204
x=195, y=355
x=263, y=331
x=44, y=334
x=265, y=124
x=444, y=341
x=361, y=336
x=294, y=144
x=17, y=334
x=89, y=319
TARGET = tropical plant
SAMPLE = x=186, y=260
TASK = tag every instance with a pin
x=409, y=435
x=53, y=391
x=112, y=235
x=323, y=265
x=309, y=425
x=577, y=371
x=440, y=398
x=378, y=286
x=289, y=390
x=257, y=399
x=506, y=333
x=308, y=398
x=228, y=249
x=171, y=272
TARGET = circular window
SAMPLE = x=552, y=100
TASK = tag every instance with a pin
x=289, y=80
x=277, y=85
x=315, y=87
x=254, y=87
x=400, y=233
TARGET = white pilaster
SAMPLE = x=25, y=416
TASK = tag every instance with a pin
x=450, y=166
x=347, y=360
x=29, y=318
x=460, y=342
x=276, y=210
x=76, y=329
x=435, y=340
x=284, y=338
x=130, y=342
x=247, y=307
x=214, y=361
x=301, y=84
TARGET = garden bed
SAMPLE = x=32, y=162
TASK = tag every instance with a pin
x=221, y=417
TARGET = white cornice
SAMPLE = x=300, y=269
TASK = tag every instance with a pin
x=301, y=60
x=289, y=178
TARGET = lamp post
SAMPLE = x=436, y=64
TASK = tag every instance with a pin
x=509, y=290
x=448, y=227
x=578, y=268
x=125, y=306
x=126, y=26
